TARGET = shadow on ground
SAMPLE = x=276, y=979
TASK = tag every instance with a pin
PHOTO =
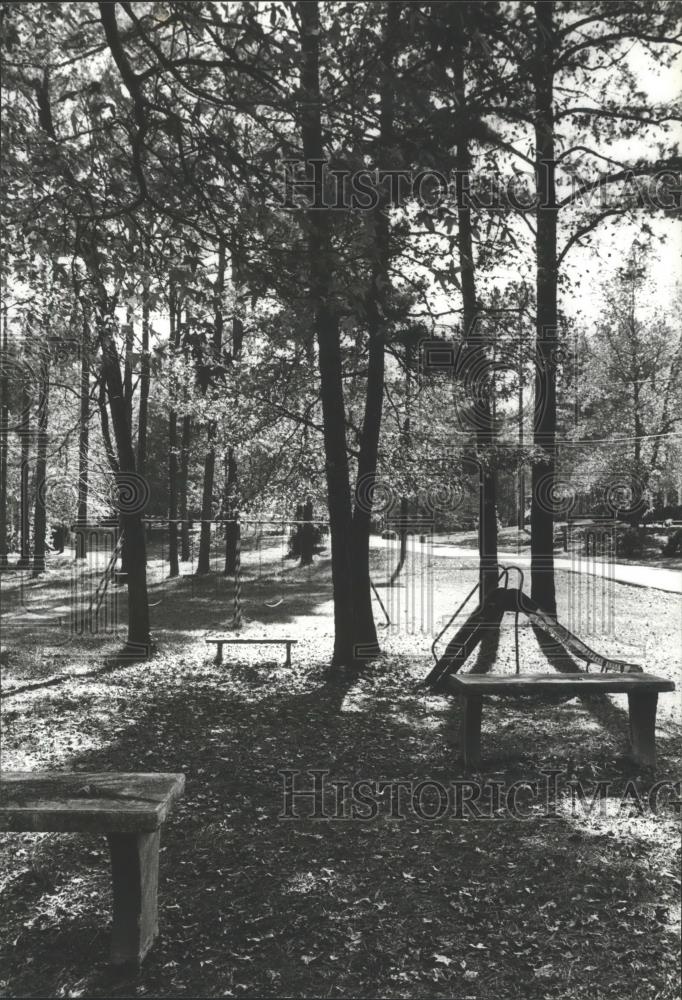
x=258, y=905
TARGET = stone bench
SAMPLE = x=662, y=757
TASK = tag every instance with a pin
x=642, y=691
x=129, y=809
x=226, y=640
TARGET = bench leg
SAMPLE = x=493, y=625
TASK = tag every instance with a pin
x=642, y=707
x=219, y=654
x=135, y=871
x=287, y=662
x=470, y=730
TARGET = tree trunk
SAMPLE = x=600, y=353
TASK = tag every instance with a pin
x=184, y=461
x=475, y=347
x=142, y=419
x=329, y=346
x=639, y=430
x=204, y=560
x=83, y=448
x=104, y=420
x=365, y=628
x=231, y=498
x=307, y=534
x=366, y=633
x=402, y=555
x=521, y=485
x=4, y=429
x=25, y=502
x=129, y=331
x=174, y=567
x=230, y=506
x=40, y=511
x=139, y=640
x=184, y=477
x=546, y=334
x=129, y=341
x=295, y=543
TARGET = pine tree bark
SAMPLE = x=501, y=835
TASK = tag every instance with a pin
x=131, y=507
x=83, y=446
x=475, y=348
x=185, y=442
x=307, y=533
x=366, y=633
x=40, y=509
x=128, y=363
x=174, y=566
x=104, y=420
x=231, y=497
x=204, y=560
x=139, y=640
x=295, y=544
x=142, y=417
x=129, y=342
x=25, y=477
x=546, y=334
x=4, y=429
x=232, y=528
x=329, y=346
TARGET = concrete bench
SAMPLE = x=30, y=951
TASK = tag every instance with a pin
x=129, y=809
x=642, y=691
x=226, y=640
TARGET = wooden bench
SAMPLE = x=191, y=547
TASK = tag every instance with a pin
x=642, y=691
x=129, y=809
x=223, y=640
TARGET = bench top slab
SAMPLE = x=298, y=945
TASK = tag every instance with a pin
x=518, y=684
x=86, y=801
x=227, y=638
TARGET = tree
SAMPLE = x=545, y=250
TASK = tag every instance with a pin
x=40, y=511
x=544, y=424
x=4, y=419
x=185, y=442
x=231, y=478
x=174, y=567
x=634, y=357
x=210, y=365
x=476, y=350
x=377, y=308
x=24, y=430
x=83, y=438
x=145, y=367
x=322, y=266
x=564, y=48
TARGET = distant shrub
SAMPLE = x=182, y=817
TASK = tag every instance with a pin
x=673, y=544
x=630, y=543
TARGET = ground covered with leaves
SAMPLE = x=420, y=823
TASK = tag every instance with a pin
x=552, y=902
